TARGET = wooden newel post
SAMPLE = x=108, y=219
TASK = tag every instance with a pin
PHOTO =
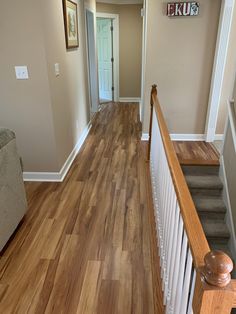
x=214, y=293
x=153, y=92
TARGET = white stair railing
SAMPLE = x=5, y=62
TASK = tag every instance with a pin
x=175, y=256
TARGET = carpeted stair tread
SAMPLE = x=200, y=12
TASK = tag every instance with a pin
x=209, y=204
x=211, y=182
x=201, y=170
x=215, y=229
x=206, y=189
x=221, y=247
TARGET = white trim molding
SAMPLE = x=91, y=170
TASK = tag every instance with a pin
x=145, y=137
x=91, y=58
x=187, y=137
x=219, y=67
x=140, y=110
x=194, y=137
x=129, y=99
x=232, y=120
x=59, y=176
x=116, y=49
x=229, y=216
x=144, y=54
x=219, y=137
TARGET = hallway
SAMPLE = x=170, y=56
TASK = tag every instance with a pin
x=84, y=245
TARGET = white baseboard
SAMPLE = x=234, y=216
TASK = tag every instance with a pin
x=145, y=137
x=187, y=137
x=129, y=99
x=42, y=176
x=194, y=137
x=59, y=176
x=229, y=216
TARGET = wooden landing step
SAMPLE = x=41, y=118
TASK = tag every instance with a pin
x=198, y=153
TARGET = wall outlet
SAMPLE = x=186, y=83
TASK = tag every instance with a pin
x=22, y=72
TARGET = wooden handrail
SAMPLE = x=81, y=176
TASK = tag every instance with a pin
x=197, y=239
x=153, y=92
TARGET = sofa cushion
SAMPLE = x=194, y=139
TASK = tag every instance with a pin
x=5, y=137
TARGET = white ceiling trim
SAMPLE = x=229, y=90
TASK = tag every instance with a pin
x=121, y=1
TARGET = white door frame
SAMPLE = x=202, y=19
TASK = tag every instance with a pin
x=115, y=18
x=144, y=50
x=221, y=52
x=93, y=105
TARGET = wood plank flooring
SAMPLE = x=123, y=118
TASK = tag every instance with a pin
x=86, y=245
x=196, y=153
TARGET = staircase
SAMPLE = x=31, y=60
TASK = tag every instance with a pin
x=206, y=189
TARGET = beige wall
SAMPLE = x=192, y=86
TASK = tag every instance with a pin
x=130, y=44
x=179, y=59
x=47, y=113
x=229, y=78
x=229, y=155
x=25, y=105
x=69, y=91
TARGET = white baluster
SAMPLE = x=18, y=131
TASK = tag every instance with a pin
x=180, y=281
x=176, y=266
x=174, y=258
x=177, y=269
x=171, y=241
x=166, y=210
x=190, y=303
x=161, y=197
x=187, y=277
x=169, y=209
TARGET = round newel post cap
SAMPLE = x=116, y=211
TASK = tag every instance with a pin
x=218, y=267
x=154, y=88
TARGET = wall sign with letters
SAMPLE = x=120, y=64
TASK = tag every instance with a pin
x=183, y=9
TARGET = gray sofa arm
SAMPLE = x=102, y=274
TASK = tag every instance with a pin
x=5, y=137
x=13, y=203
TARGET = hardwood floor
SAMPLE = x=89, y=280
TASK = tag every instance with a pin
x=196, y=153
x=86, y=245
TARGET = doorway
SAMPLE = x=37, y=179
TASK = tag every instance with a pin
x=105, y=59
x=108, y=56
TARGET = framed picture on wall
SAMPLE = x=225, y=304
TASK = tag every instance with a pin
x=71, y=23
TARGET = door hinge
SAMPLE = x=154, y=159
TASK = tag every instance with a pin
x=112, y=28
x=112, y=59
x=113, y=88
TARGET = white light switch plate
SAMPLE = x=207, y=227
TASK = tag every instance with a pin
x=21, y=72
x=57, y=69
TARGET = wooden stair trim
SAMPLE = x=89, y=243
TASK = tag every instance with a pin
x=233, y=283
x=198, y=162
x=215, y=150
x=196, y=236
x=197, y=153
